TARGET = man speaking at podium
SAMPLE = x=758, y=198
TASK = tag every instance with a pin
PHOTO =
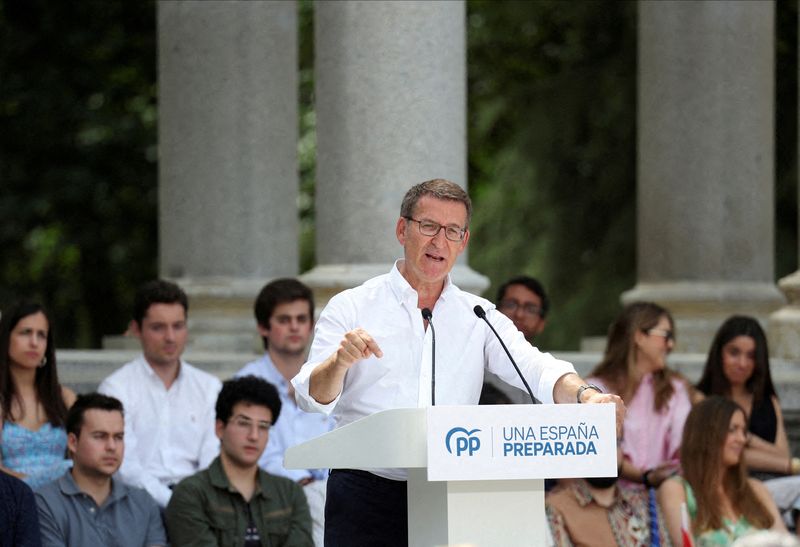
x=372, y=351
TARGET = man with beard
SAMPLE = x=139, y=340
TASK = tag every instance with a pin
x=523, y=300
x=284, y=311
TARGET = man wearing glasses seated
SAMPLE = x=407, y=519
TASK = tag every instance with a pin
x=234, y=502
x=523, y=300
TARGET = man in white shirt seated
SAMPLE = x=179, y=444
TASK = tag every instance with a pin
x=169, y=404
x=284, y=311
x=372, y=351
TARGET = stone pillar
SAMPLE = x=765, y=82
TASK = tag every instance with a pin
x=784, y=324
x=391, y=112
x=705, y=204
x=228, y=170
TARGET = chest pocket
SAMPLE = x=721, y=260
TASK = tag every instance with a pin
x=225, y=525
x=276, y=525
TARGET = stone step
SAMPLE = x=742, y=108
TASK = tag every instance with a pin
x=83, y=370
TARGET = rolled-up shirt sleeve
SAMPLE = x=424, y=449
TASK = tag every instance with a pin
x=304, y=398
x=329, y=330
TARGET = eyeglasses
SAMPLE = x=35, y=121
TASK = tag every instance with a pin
x=511, y=306
x=245, y=425
x=431, y=229
x=668, y=335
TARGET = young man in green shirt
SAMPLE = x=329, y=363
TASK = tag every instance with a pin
x=234, y=502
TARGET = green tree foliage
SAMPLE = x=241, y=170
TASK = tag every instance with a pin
x=78, y=164
x=552, y=150
x=552, y=154
x=307, y=145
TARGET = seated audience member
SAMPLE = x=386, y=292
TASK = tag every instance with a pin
x=87, y=506
x=737, y=367
x=284, y=311
x=523, y=300
x=722, y=503
x=234, y=502
x=33, y=405
x=169, y=404
x=18, y=516
x=600, y=512
x=634, y=367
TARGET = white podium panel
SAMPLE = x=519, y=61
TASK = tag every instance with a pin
x=502, y=513
x=488, y=494
x=521, y=442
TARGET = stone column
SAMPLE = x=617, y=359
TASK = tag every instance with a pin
x=705, y=168
x=228, y=146
x=784, y=324
x=391, y=112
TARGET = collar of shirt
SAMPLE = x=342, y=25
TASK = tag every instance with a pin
x=69, y=487
x=405, y=293
x=148, y=371
x=622, y=493
x=272, y=374
x=218, y=479
x=584, y=496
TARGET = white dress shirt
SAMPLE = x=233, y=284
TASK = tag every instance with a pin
x=294, y=425
x=169, y=433
x=386, y=307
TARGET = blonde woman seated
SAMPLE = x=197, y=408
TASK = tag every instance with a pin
x=722, y=503
x=658, y=400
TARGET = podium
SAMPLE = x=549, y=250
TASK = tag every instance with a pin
x=487, y=464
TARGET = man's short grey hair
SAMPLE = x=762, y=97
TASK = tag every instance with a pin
x=436, y=188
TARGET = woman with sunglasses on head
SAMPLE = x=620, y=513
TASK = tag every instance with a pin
x=658, y=399
x=737, y=367
x=722, y=503
x=33, y=405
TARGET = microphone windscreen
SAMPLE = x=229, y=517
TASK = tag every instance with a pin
x=479, y=311
x=426, y=314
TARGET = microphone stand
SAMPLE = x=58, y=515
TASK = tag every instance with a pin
x=428, y=316
x=482, y=314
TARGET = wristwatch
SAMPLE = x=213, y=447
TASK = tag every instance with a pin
x=584, y=388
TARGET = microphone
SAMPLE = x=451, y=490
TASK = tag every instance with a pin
x=428, y=316
x=482, y=315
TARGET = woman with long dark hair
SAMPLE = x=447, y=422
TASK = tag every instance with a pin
x=737, y=367
x=722, y=503
x=33, y=405
x=657, y=399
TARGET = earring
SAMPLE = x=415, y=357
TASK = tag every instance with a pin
x=44, y=361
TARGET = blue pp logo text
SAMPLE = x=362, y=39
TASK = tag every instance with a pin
x=460, y=442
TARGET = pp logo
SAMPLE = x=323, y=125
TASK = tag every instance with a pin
x=463, y=440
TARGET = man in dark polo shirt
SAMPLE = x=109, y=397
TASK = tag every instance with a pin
x=234, y=503
x=86, y=506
